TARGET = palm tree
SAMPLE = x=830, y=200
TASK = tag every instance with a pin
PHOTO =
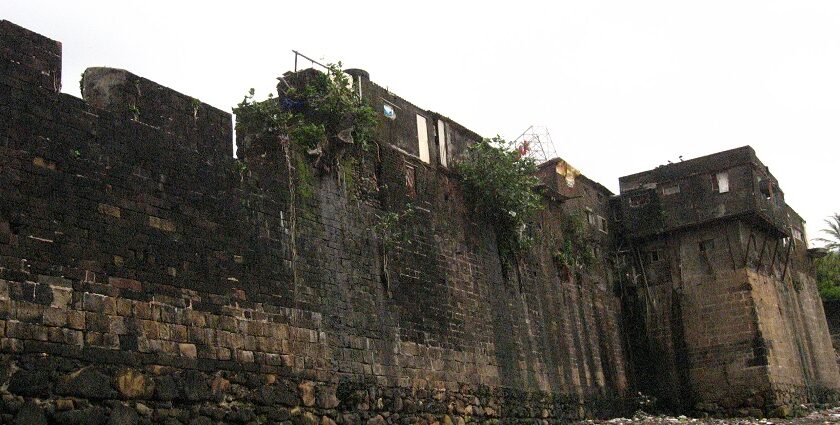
x=832, y=243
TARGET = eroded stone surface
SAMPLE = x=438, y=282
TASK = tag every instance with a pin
x=142, y=269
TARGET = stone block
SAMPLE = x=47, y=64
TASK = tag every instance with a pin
x=76, y=320
x=123, y=415
x=326, y=397
x=307, y=393
x=110, y=210
x=89, y=382
x=123, y=283
x=187, y=350
x=30, y=414
x=30, y=383
x=61, y=297
x=161, y=224
x=132, y=384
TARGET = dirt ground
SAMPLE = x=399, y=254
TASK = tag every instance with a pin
x=828, y=416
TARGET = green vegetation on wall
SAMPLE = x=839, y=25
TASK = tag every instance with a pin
x=314, y=119
x=499, y=185
x=573, y=250
x=319, y=112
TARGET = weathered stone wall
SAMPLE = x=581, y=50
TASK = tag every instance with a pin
x=792, y=322
x=722, y=288
x=733, y=330
x=147, y=276
x=832, y=315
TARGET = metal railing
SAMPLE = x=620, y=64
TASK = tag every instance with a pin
x=313, y=61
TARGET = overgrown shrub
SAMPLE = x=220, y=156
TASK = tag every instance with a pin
x=499, y=185
x=828, y=276
x=323, y=109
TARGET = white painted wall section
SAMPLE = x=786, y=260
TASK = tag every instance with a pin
x=423, y=138
x=441, y=133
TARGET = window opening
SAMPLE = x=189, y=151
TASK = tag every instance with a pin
x=422, y=138
x=410, y=180
x=388, y=111
x=441, y=135
x=671, y=190
x=720, y=183
x=639, y=200
x=765, y=186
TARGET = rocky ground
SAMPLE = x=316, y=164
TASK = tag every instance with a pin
x=827, y=416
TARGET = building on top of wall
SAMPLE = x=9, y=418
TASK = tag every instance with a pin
x=703, y=190
x=430, y=137
x=587, y=202
x=426, y=137
x=716, y=270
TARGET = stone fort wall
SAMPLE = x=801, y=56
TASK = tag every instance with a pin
x=147, y=276
x=728, y=301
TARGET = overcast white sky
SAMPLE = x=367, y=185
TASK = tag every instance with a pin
x=623, y=86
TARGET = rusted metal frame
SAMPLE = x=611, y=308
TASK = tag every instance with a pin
x=775, y=254
x=761, y=254
x=787, y=259
x=674, y=255
x=641, y=264
x=729, y=247
x=622, y=254
x=649, y=300
x=709, y=263
x=750, y=241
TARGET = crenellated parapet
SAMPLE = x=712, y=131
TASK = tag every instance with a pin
x=30, y=58
x=198, y=126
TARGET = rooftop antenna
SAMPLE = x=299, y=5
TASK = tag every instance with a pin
x=535, y=142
